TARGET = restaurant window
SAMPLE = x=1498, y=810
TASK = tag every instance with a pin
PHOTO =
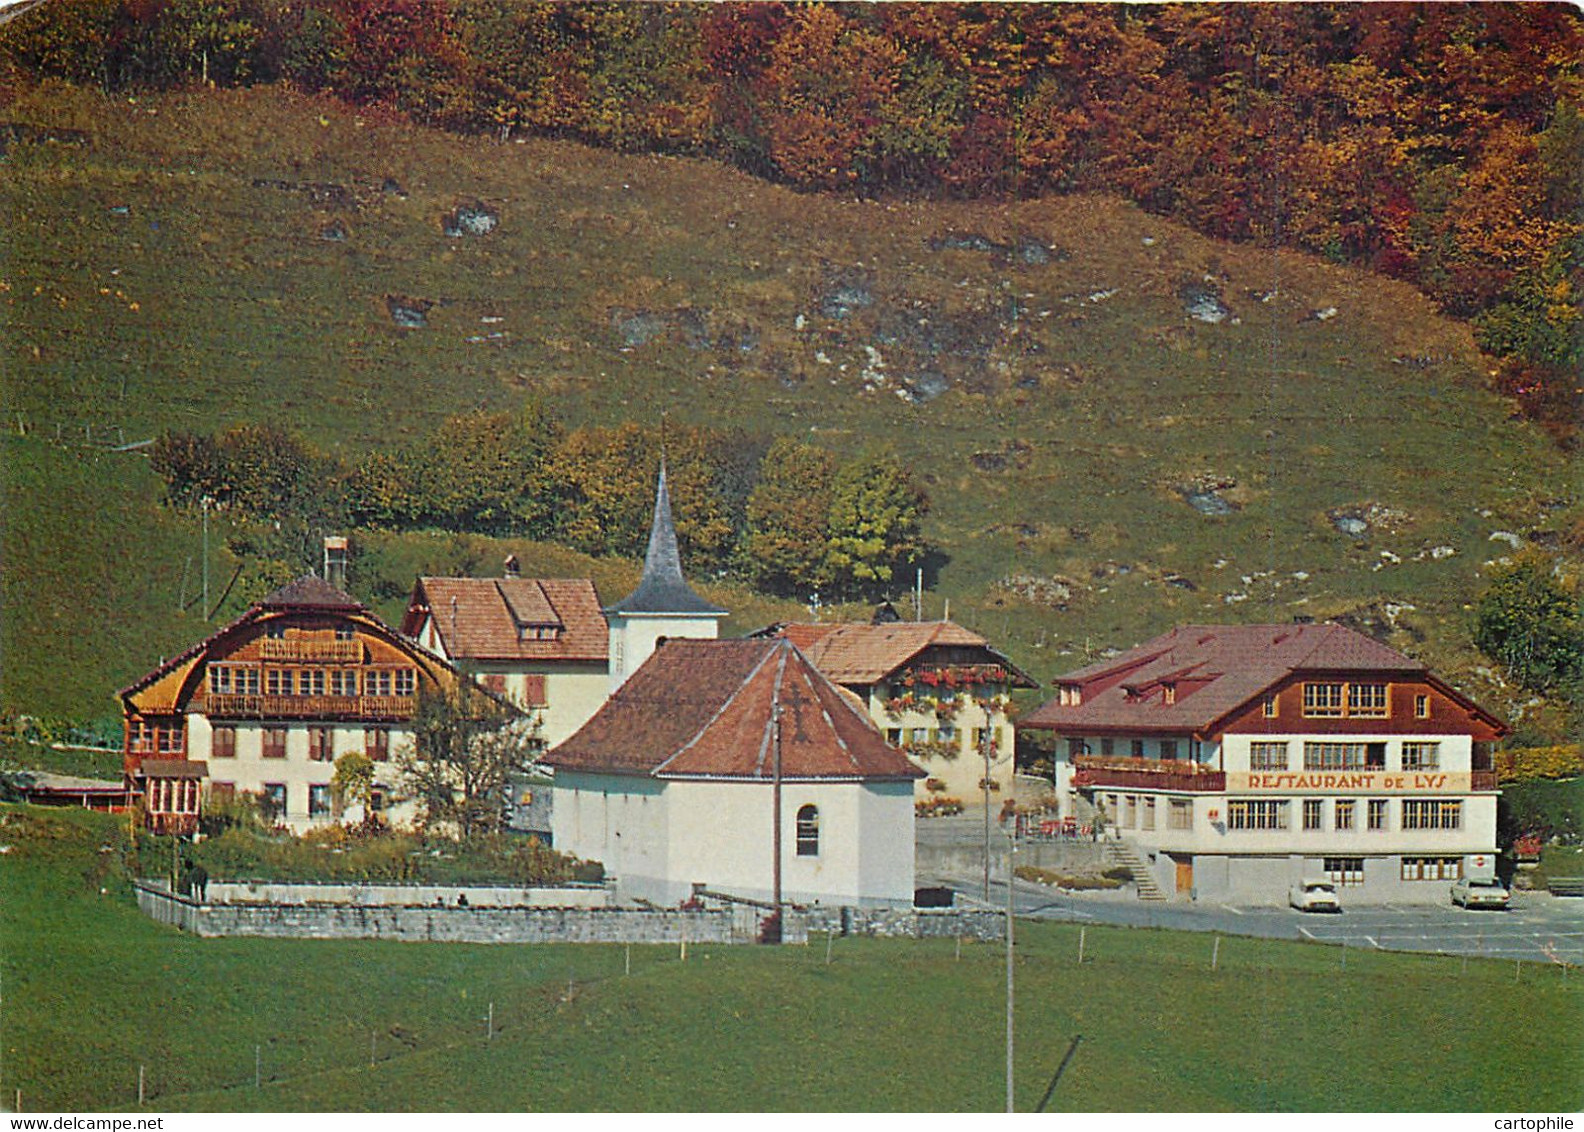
x=1267, y=756
x=277, y=682
x=1432, y=868
x=1333, y=699
x=1342, y=814
x=223, y=744
x=311, y=682
x=1367, y=701
x=1257, y=813
x=1344, y=756
x=1376, y=814
x=1168, y=748
x=1345, y=870
x=377, y=683
x=808, y=831
x=274, y=742
x=1322, y=699
x=1179, y=813
x=319, y=801
x=343, y=682
x=1313, y=813
x=1421, y=756
x=220, y=680
x=1432, y=813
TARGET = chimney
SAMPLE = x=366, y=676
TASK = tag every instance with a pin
x=335, y=561
x=513, y=568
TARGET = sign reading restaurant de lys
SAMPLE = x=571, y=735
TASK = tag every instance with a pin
x=1350, y=781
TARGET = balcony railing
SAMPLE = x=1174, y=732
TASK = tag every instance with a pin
x=1146, y=774
x=234, y=706
x=309, y=649
x=1482, y=780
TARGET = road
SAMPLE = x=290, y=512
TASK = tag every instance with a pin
x=1539, y=927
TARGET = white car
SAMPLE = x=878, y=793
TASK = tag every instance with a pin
x=1479, y=892
x=1314, y=896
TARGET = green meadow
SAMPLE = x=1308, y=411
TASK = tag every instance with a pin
x=93, y=991
x=169, y=270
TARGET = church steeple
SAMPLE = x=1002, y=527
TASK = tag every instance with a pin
x=663, y=606
x=663, y=589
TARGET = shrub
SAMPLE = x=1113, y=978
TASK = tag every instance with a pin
x=1519, y=764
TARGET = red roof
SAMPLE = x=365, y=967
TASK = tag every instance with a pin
x=863, y=653
x=1216, y=670
x=705, y=709
x=498, y=618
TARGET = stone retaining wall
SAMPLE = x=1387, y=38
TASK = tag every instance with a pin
x=407, y=895
x=530, y=924
x=449, y=923
x=897, y=923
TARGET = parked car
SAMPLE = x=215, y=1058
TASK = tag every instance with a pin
x=1479, y=892
x=1314, y=896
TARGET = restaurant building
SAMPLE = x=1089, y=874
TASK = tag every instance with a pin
x=1238, y=760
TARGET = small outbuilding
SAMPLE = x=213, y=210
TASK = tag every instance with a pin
x=736, y=765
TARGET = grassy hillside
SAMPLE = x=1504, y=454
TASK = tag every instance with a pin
x=1045, y=367
x=886, y=1025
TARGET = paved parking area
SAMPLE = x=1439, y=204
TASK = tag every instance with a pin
x=1538, y=927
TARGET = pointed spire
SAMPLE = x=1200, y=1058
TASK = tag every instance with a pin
x=663, y=589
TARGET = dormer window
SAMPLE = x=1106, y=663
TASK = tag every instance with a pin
x=1071, y=695
x=538, y=632
x=1169, y=693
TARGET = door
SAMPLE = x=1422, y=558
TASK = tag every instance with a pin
x=1184, y=873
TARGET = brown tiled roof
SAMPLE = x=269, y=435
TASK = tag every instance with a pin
x=704, y=709
x=310, y=591
x=489, y=612
x=1218, y=669
x=862, y=653
x=307, y=592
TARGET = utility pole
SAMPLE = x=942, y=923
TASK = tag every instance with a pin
x=984, y=786
x=206, y=557
x=775, y=802
x=1011, y=849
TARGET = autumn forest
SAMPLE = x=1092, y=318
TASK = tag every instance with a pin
x=1434, y=143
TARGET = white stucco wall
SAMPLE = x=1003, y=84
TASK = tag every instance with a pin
x=659, y=839
x=633, y=637
x=249, y=771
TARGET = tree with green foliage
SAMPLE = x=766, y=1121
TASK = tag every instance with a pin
x=353, y=780
x=784, y=547
x=1529, y=621
x=875, y=514
x=465, y=746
